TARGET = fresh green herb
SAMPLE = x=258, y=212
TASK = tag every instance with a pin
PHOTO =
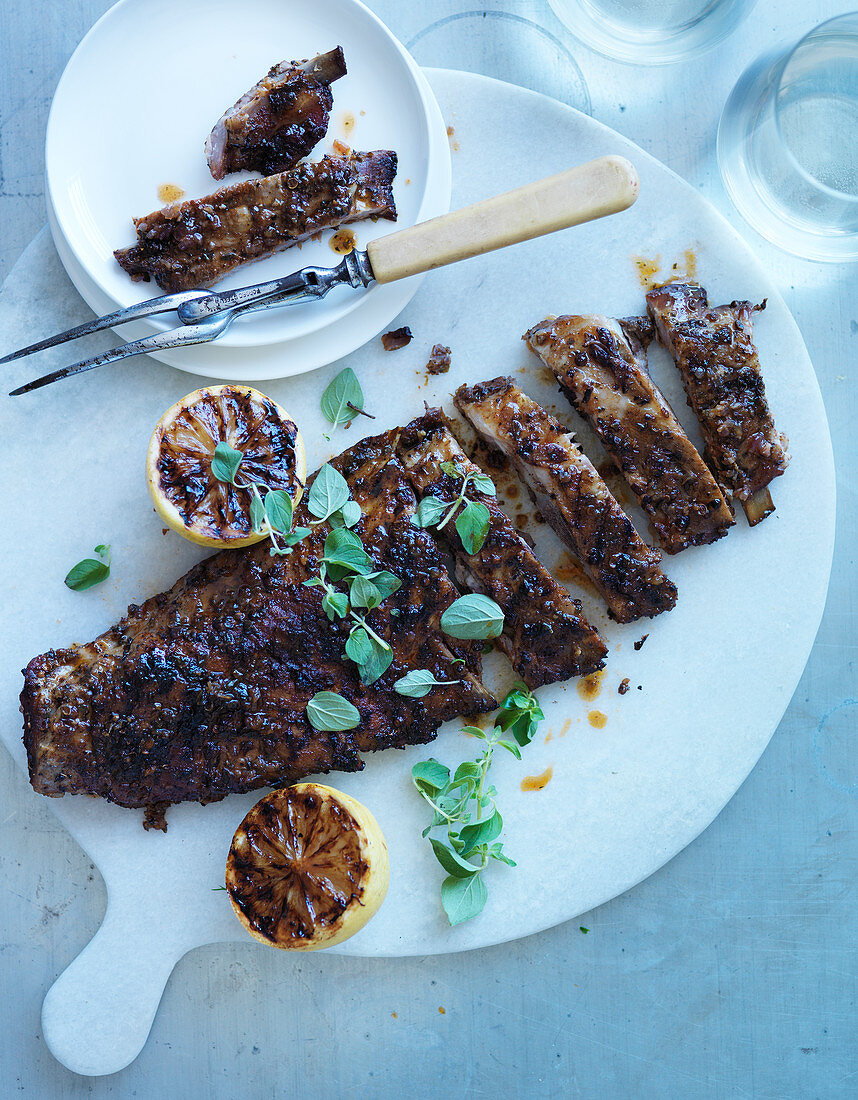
x=216, y=888
x=329, y=712
x=90, y=571
x=466, y=823
x=345, y=561
x=342, y=398
x=472, y=524
x=520, y=715
x=581, y=928
x=328, y=493
x=272, y=513
x=419, y=682
x=473, y=616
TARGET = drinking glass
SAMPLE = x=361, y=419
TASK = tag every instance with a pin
x=651, y=32
x=788, y=144
x=507, y=47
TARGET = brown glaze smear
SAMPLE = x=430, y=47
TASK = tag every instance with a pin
x=590, y=687
x=439, y=360
x=348, y=122
x=647, y=270
x=295, y=866
x=572, y=573
x=597, y=719
x=170, y=192
x=396, y=338
x=537, y=782
x=624, y=686
x=343, y=242
x=639, y=644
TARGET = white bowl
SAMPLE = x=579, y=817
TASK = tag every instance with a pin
x=113, y=140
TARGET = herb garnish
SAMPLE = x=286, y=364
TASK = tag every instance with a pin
x=419, y=682
x=464, y=807
x=472, y=524
x=272, y=513
x=343, y=398
x=90, y=571
x=473, y=616
x=329, y=712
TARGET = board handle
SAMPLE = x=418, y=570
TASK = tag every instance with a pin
x=592, y=190
x=97, y=1015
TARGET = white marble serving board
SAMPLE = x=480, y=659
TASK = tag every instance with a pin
x=716, y=673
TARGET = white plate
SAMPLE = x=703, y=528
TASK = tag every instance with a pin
x=304, y=353
x=716, y=673
x=112, y=141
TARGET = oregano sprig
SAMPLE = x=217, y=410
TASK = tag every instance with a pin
x=90, y=571
x=272, y=513
x=466, y=822
x=472, y=523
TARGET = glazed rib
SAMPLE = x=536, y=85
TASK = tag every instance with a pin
x=545, y=635
x=713, y=348
x=572, y=498
x=196, y=243
x=279, y=120
x=600, y=363
x=202, y=691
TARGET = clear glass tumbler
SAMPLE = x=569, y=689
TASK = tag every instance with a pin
x=788, y=144
x=651, y=32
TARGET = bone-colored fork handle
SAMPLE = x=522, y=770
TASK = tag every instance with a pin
x=592, y=190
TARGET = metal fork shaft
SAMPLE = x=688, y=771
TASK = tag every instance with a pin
x=165, y=304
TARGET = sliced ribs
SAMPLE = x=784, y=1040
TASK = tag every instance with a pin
x=279, y=121
x=714, y=351
x=202, y=690
x=197, y=242
x=572, y=498
x=600, y=363
x=545, y=635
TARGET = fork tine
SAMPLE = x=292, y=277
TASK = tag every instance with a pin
x=164, y=304
x=175, y=338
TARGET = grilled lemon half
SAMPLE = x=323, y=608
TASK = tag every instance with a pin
x=187, y=495
x=307, y=868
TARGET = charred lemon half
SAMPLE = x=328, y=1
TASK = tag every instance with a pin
x=307, y=868
x=186, y=493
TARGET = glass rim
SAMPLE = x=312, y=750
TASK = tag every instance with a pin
x=823, y=188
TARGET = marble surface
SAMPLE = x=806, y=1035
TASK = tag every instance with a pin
x=731, y=972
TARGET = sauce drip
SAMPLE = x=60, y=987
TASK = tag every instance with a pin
x=590, y=686
x=348, y=122
x=537, y=782
x=343, y=242
x=170, y=192
x=598, y=719
x=571, y=572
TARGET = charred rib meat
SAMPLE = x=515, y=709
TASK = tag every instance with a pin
x=600, y=363
x=572, y=497
x=202, y=691
x=714, y=351
x=196, y=243
x=545, y=635
x=279, y=121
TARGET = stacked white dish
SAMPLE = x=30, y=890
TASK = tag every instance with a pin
x=99, y=177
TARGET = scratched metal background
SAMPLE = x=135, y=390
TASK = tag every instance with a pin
x=729, y=973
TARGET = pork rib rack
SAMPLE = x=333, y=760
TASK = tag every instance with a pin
x=202, y=690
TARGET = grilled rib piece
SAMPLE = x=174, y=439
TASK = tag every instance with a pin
x=572, y=498
x=279, y=120
x=713, y=348
x=545, y=635
x=196, y=243
x=202, y=690
x=600, y=363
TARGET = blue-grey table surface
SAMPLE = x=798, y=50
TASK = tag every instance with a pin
x=730, y=972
